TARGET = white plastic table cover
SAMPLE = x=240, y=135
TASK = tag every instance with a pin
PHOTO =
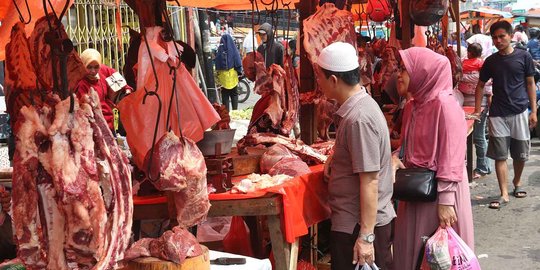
x=251, y=263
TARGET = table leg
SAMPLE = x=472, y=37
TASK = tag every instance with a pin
x=470, y=147
x=280, y=247
x=294, y=255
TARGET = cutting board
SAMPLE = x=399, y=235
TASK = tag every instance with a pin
x=201, y=262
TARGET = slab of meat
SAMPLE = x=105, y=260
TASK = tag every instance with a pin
x=175, y=246
x=71, y=188
x=306, y=153
x=44, y=61
x=223, y=113
x=20, y=74
x=324, y=147
x=277, y=109
x=273, y=155
x=326, y=26
x=182, y=169
x=325, y=111
x=290, y=166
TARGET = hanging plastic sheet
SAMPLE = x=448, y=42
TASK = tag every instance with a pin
x=196, y=113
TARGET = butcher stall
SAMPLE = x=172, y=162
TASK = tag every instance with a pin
x=81, y=193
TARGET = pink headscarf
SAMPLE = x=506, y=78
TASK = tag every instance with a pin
x=434, y=118
x=427, y=70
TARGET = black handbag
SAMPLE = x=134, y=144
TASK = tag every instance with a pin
x=414, y=184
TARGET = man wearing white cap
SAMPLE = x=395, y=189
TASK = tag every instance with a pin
x=360, y=174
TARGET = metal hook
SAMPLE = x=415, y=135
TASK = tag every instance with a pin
x=149, y=172
x=20, y=13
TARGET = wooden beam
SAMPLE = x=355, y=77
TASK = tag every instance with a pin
x=455, y=5
x=308, y=121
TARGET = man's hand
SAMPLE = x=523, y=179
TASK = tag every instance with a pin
x=327, y=165
x=532, y=120
x=363, y=252
x=5, y=199
x=447, y=215
x=396, y=165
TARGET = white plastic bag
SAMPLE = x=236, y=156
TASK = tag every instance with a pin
x=213, y=229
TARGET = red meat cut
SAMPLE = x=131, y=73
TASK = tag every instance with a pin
x=292, y=166
x=175, y=246
x=273, y=155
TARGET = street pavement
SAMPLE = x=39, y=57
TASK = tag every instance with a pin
x=509, y=238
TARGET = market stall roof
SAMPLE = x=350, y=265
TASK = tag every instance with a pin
x=484, y=12
x=234, y=5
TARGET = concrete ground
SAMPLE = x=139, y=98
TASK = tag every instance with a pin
x=509, y=238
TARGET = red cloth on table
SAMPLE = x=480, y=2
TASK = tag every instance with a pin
x=305, y=201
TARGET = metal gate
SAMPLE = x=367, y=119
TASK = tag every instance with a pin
x=92, y=24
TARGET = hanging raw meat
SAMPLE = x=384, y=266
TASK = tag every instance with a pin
x=20, y=74
x=44, y=49
x=427, y=12
x=277, y=109
x=379, y=10
x=178, y=165
x=195, y=115
x=326, y=26
x=455, y=64
x=72, y=205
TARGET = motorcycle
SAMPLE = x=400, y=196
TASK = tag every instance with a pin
x=244, y=88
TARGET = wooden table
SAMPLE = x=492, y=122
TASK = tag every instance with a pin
x=270, y=206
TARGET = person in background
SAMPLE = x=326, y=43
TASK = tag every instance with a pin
x=228, y=66
x=291, y=50
x=271, y=51
x=360, y=170
x=8, y=249
x=467, y=86
x=520, y=38
x=434, y=134
x=96, y=78
x=484, y=40
x=514, y=90
x=533, y=46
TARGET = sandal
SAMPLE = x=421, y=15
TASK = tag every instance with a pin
x=519, y=192
x=498, y=204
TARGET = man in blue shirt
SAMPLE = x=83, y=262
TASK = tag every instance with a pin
x=514, y=90
x=534, y=45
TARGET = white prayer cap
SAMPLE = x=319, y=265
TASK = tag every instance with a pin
x=338, y=57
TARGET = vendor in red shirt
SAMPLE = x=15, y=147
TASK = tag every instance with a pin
x=97, y=73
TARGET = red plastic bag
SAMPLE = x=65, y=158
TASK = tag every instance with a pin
x=237, y=241
x=463, y=258
x=379, y=10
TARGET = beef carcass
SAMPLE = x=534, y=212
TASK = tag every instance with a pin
x=325, y=111
x=326, y=26
x=455, y=64
x=46, y=62
x=75, y=207
x=273, y=155
x=175, y=245
x=306, y=153
x=178, y=165
x=427, y=12
x=290, y=166
x=277, y=109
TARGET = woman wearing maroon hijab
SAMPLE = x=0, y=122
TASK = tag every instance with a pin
x=96, y=78
x=435, y=134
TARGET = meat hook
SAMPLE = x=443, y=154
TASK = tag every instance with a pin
x=20, y=13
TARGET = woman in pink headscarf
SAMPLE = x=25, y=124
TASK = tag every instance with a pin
x=435, y=134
